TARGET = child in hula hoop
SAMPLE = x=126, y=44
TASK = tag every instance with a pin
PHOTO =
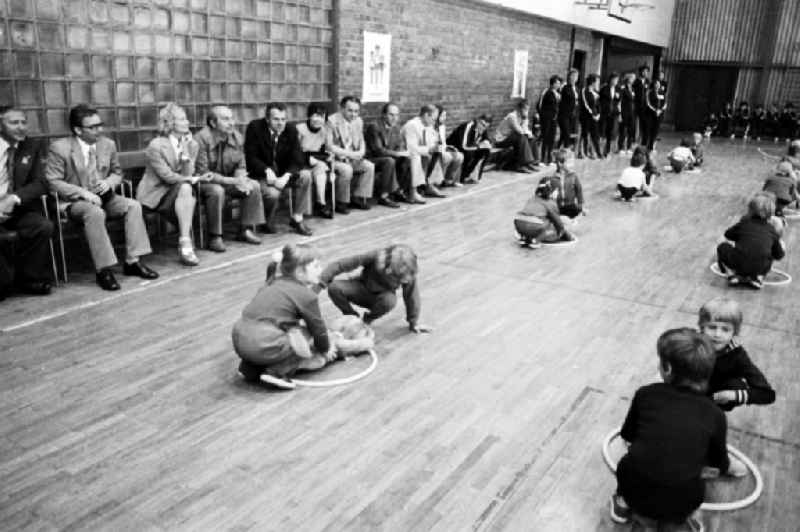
x=659, y=479
x=269, y=337
x=754, y=242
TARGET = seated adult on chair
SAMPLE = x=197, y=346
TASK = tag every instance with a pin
x=25, y=264
x=167, y=184
x=420, y=136
x=383, y=271
x=387, y=150
x=446, y=160
x=221, y=156
x=472, y=139
x=274, y=158
x=514, y=132
x=84, y=171
x=317, y=157
x=346, y=141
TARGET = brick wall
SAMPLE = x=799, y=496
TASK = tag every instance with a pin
x=458, y=53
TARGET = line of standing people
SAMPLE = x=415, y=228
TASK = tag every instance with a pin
x=591, y=119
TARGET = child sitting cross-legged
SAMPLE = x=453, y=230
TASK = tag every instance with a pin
x=674, y=430
x=681, y=157
x=754, y=242
x=570, y=191
x=539, y=219
x=633, y=179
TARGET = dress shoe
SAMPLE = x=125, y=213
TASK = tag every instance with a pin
x=300, y=227
x=342, y=208
x=386, y=202
x=360, y=203
x=216, y=244
x=470, y=181
x=248, y=236
x=416, y=199
x=106, y=280
x=524, y=169
x=187, y=256
x=269, y=228
x=432, y=192
x=399, y=196
x=35, y=288
x=323, y=211
x=139, y=270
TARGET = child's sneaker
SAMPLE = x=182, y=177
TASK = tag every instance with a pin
x=284, y=383
x=736, y=469
x=619, y=509
x=694, y=523
x=756, y=282
x=733, y=280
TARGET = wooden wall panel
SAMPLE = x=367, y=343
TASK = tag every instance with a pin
x=787, y=45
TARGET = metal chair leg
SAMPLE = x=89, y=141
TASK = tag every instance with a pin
x=332, y=179
x=50, y=242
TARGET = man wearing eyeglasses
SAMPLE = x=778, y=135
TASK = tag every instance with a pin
x=84, y=170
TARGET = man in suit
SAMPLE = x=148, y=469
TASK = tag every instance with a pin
x=25, y=262
x=472, y=139
x=84, y=170
x=627, y=127
x=275, y=159
x=418, y=134
x=221, y=153
x=640, y=88
x=387, y=150
x=568, y=111
x=548, y=112
x=346, y=141
x=609, y=110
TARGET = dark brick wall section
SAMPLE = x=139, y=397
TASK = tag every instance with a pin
x=458, y=53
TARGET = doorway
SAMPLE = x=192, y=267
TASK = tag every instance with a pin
x=579, y=62
x=702, y=90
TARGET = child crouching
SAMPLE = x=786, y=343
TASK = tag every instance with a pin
x=681, y=157
x=633, y=179
x=570, y=191
x=659, y=479
x=539, y=219
x=784, y=185
x=755, y=241
x=269, y=337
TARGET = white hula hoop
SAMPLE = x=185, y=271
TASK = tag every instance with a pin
x=344, y=380
x=561, y=243
x=791, y=214
x=714, y=267
x=710, y=506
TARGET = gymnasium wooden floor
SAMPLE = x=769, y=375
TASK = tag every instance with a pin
x=125, y=411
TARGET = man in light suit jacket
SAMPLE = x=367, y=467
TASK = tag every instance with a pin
x=346, y=142
x=274, y=158
x=419, y=135
x=22, y=184
x=84, y=170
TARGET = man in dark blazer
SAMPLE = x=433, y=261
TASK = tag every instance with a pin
x=568, y=111
x=609, y=110
x=274, y=158
x=548, y=113
x=24, y=260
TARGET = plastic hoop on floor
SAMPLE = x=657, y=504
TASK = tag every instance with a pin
x=561, y=243
x=784, y=280
x=710, y=506
x=344, y=380
x=791, y=214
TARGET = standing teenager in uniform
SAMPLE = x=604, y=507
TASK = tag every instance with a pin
x=590, y=118
x=568, y=111
x=610, y=109
x=548, y=112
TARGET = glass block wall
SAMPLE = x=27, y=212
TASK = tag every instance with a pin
x=128, y=57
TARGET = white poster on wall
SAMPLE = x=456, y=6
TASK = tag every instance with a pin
x=520, y=73
x=377, y=65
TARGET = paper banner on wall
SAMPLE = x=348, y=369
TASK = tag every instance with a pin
x=377, y=65
x=520, y=73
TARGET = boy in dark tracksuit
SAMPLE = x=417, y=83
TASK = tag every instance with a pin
x=788, y=122
x=627, y=128
x=568, y=111
x=641, y=87
x=735, y=380
x=548, y=112
x=757, y=122
x=590, y=118
x=609, y=110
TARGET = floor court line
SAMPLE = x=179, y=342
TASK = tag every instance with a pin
x=473, y=191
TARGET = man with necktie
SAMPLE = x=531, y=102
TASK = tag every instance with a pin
x=84, y=170
x=24, y=258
